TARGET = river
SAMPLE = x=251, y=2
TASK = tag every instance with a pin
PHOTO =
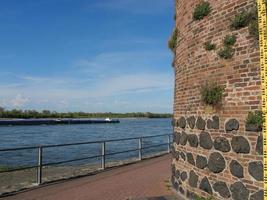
x=23, y=136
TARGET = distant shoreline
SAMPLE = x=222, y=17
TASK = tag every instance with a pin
x=46, y=114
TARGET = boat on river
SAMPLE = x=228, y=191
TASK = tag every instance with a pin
x=15, y=122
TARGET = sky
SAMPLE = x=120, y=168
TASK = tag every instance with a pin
x=86, y=55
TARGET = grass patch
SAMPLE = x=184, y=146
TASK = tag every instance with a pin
x=211, y=94
x=4, y=168
x=203, y=9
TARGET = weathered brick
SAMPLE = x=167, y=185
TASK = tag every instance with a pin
x=194, y=66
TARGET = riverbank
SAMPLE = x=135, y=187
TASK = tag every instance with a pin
x=11, y=182
x=149, y=178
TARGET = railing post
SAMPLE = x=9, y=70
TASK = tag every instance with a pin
x=103, y=160
x=169, y=142
x=140, y=148
x=40, y=165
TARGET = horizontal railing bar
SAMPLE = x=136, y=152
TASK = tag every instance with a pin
x=19, y=169
x=20, y=148
x=120, y=152
x=163, y=144
x=81, y=143
x=73, y=160
x=152, y=136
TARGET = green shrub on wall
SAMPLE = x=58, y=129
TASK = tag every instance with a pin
x=226, y=52
x=203, y=9
x=254, y=120
x=229, y=40
x=172, y=43
x=249, y=19
x=241, y=20
x=211, y=94
x=209, y=46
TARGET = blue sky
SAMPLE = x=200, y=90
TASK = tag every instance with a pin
x=86, y=55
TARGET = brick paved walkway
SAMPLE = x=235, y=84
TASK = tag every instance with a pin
x=148, y=178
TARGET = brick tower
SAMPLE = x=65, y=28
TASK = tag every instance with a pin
x=216, y=153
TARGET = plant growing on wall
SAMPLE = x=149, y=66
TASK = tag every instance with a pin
x=172, y=43
x=254, y=121
x=209, y=46
x=229, y=40
x=249, y=19
x=203, y=9
x=227, y=51
x=211, y=94
x=173, y=40
x=241, y=20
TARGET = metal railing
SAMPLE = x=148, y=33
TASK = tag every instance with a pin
x=103, y=154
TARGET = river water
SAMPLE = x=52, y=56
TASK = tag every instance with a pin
x=23, y=136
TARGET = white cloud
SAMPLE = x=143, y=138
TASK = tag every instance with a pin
x=134, y=83
x=121, y=62
x=19, y=101
x=35, y=79
x=71, y=88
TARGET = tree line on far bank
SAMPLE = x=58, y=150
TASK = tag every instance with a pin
x=27, y=114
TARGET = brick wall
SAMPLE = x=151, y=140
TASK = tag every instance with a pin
x=213, y=153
